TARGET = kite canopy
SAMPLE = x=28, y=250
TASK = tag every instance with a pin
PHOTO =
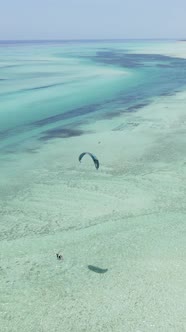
x=94, y=158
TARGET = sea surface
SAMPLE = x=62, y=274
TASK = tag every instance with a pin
x=121, y=228
x=49, y=89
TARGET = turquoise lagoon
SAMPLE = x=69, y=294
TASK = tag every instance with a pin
x=51, y=86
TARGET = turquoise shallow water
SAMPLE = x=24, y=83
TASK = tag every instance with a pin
x=125, y=102
x=49, y=89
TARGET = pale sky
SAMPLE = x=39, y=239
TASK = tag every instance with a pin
x=92, y=19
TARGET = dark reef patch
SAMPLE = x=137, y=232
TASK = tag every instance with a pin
x=5, y=133
x=43, y=87
x=124, y=126
x=134, y=60
x=136, y=107
x=168, y=93
x=130, y=109
x=31, y=150
x=110, y=115
x=76, y=112
x=60, y=133
x=32, y=89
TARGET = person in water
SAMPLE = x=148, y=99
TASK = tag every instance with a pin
x=59, y=257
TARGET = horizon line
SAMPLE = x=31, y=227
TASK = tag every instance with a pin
x=87, y=39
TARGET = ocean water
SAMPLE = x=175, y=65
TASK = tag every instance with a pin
x=49, y=89
x=121, y=228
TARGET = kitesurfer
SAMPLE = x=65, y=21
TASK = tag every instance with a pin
x=59, y=257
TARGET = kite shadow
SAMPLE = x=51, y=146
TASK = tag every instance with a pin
x=97, y=269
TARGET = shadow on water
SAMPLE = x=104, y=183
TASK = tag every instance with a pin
x=97, y=269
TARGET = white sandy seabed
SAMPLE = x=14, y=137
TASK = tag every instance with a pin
x=127, y=217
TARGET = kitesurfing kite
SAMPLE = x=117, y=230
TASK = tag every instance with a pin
x=94, y=158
